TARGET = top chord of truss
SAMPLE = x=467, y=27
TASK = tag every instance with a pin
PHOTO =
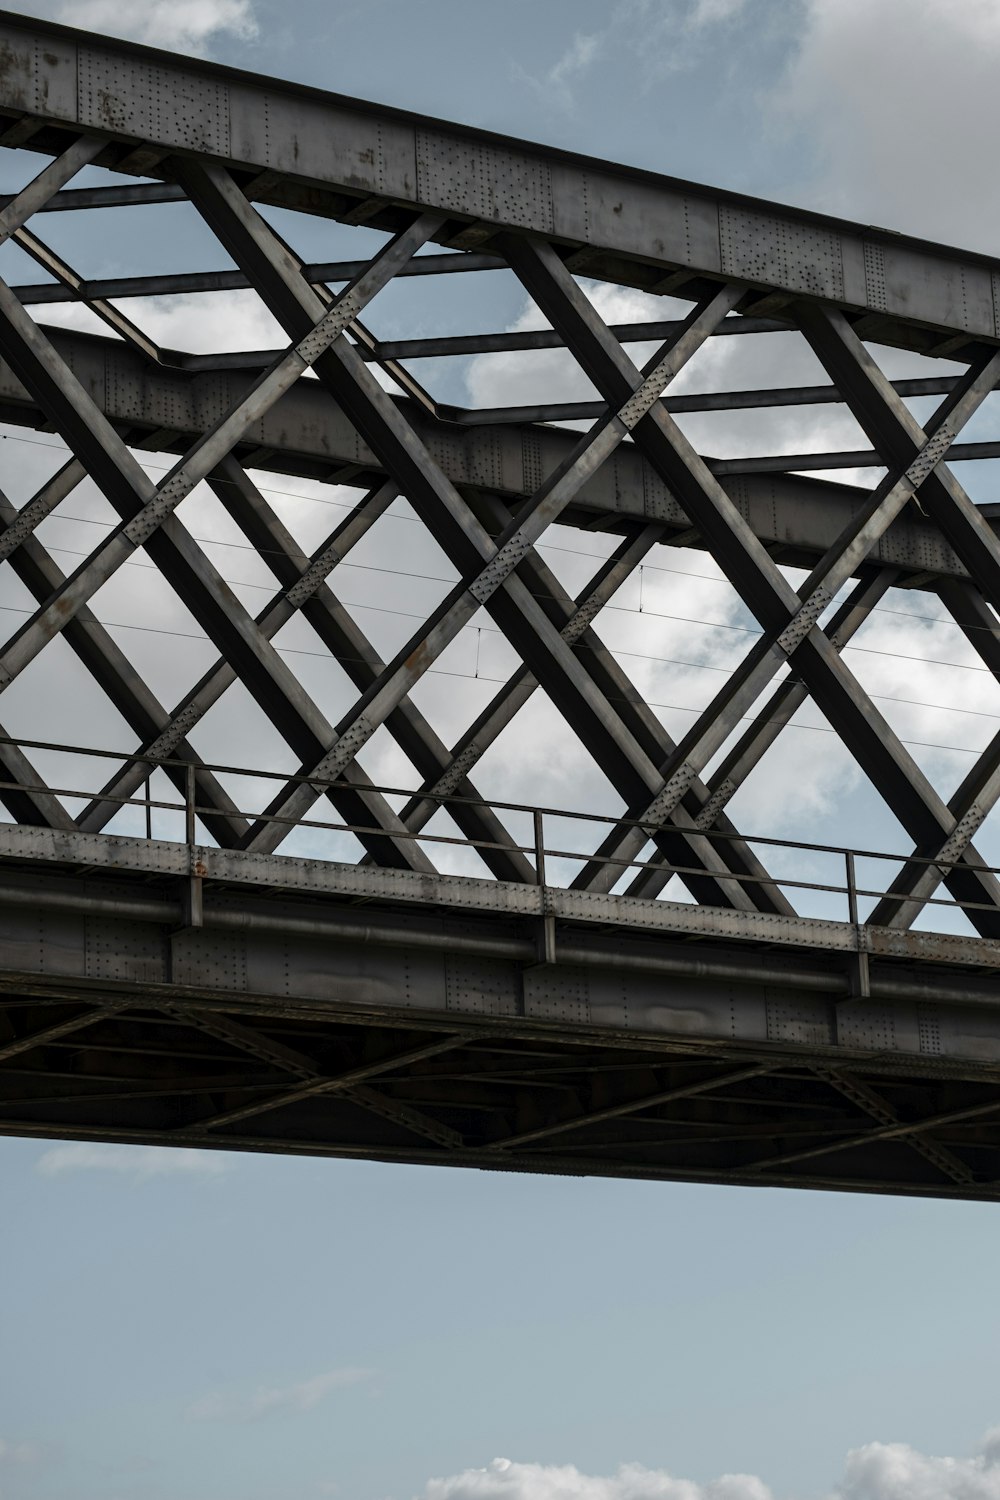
x=323, y=153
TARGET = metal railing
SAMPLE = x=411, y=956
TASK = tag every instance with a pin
x=189, y=810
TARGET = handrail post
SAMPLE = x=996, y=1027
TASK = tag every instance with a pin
x=538, y=824
x=149, y=804
x=860, y=981
x=194, y=908
x=546, y=945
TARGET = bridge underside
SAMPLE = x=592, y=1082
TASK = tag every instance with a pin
x=650, y=1000
x=345, y=1014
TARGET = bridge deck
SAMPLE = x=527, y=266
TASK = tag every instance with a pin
x=346, y=1010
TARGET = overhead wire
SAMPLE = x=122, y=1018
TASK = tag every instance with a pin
x=474, y=676
x=415, y=521
x=479, y=676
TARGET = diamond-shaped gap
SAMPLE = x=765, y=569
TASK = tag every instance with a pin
x=148, y=620
x=677, y=627
x=326, y=680
x=807, y=778
x=808, y=788
x=237, y=733
x=466, y=677
x=398, y=563
x=248, y=570
x=309, y=509
x=540, y=761
x=55, y=699
x=929, y=682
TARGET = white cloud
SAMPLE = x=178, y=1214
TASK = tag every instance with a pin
x=179, y=25
x=504, y=1480
x=659, y=39
x=18, y=1453
x=877, y=1471
x=197, y=323
x=895, y=1471
x=137, y=1162
x=557, y=83
x=900, y=98
x=269, y=1401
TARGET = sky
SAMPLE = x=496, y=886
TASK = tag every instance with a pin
x=204, y=1326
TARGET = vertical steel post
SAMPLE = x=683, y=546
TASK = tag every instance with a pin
x=194, y=907
x=860, y=985
x=547, y=931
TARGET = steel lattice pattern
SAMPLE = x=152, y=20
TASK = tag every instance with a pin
x=807, y=559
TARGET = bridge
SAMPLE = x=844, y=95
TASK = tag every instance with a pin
x=283, y=952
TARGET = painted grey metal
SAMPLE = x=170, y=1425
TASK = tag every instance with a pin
x=303, y=434
x=97, y=960
x=327, y=152
x=381, y=1008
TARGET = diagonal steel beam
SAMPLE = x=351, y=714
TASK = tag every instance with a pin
x=182, y=562
x=879, y=409
x=574, y=618
x=24, y=793
x=160, y=501
x=352, y=1082
x=468, y=543
x=767, y=725
x=683, y=847
x=515, y=693
x=891, y=1127
x=169, y=739
x=632, y=1106
x=42, y=188
x=979, y=791
x=113, y=672
x=477, y=588
x=58, y=1029
x=893, y=772
x=338, y=631
x=47, y=258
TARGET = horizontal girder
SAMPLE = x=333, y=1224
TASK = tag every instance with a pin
x=621, y=1056
x=305, y=433
x=325, y=153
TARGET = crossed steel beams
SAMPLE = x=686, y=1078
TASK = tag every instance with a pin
x=197, y=1073
x=494, y=554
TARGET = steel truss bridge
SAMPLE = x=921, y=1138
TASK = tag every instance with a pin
x=186, y=978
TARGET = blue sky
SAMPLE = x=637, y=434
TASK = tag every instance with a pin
x=213, y=1327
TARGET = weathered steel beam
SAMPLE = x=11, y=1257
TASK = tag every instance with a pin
x=326, y=153
x=305, y=433
x=286, y=983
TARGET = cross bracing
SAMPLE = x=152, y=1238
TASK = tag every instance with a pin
x=240, y=802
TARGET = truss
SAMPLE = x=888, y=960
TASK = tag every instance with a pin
x=338, y=403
